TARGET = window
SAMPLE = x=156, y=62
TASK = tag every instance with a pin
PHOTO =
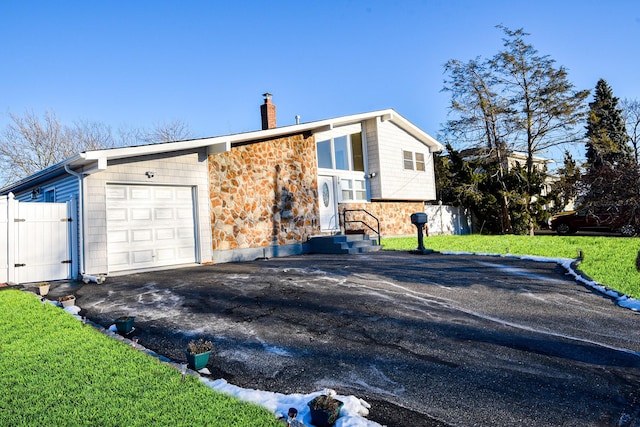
x=408, y=161
x=341, y=153
x=356, y=152
x=344, y=155
x=353, y=189
x=50, y=195
x=420, y=162
x=324, y=154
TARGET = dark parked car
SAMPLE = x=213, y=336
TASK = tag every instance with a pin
x=610, y=218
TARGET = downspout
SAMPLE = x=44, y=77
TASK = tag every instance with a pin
x=80, y=217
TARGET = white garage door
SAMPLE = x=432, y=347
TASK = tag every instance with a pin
x=149, y=226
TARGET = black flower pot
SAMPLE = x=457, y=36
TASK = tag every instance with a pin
x=321, y=417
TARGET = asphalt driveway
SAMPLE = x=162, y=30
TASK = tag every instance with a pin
x=428, y=340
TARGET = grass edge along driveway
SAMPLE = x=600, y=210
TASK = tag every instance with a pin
x=55, y=371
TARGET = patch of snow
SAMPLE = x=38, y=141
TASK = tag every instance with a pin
x=353, y=412
x=73, y=309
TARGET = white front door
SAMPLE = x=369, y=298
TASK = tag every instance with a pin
x=328, y=203
x=149, y=226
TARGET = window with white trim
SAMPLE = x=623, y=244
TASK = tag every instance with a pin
x=353, y=189
x=413, y=161
x=341, y=153
x=420, y=162
x=408, y=159
x=344, y=155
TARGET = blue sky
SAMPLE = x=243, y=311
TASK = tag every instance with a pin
x=207, y=63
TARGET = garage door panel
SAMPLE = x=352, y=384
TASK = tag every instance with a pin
x=184, y=252
x=142, y=236
x=183, y=194
x=164, y=193
x=144, y=256
x=119, y=258
x=120, y=236
x=166, y=254
x=116, y=193
x=117, y=214
x=140, y=193
x=163, y=213
x=141, y=214
x=165, y=234
x=184, y=233
x=182, y=213
x=152, y=225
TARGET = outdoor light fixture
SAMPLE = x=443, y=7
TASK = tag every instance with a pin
x=372, y=175
x=150, y=174
x=35, y=193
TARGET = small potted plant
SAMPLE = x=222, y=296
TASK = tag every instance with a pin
x=67, y=301
x=43, y=288
x=198, y=353
x=124, y=324
x=324, y=410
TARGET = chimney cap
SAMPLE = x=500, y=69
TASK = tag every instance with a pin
x=267, y=95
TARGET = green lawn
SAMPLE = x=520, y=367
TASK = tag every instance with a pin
x=57, y=372
x=610, y=261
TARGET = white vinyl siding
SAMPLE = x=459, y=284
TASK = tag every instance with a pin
x=171, y=169
x=386, y=145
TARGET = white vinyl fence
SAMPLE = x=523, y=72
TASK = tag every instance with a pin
x=445, y=219
x=36, y=241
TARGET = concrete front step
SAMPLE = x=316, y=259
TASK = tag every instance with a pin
x=344, y=244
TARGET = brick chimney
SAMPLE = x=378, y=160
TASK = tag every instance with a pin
x=268, y=113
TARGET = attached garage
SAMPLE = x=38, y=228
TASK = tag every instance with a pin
x=149, y=226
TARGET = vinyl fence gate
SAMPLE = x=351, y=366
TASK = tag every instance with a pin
x=36, y=238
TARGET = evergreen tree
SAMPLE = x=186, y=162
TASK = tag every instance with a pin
x=565, y=190
x=612, y=178
x=607, y=136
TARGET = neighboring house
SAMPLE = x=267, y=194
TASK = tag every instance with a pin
x=510, y=160
x=255, y=194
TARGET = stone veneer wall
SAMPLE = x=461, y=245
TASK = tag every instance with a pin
x=264, y=194
x=395, y=217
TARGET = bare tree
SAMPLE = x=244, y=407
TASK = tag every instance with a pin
x=518, y=100
x=30, y=143
x=631, y=116
x=479, y=118
x=175, y=130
